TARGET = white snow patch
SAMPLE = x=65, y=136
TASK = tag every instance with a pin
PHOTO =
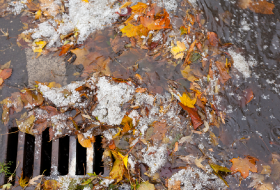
x=193, y=178
x=64, y=96
x=110, y=98
x=155, y=157
x=240, y=63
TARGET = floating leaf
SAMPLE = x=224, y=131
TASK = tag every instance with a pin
x=249, y=95
x=83, y=141
x=196, y=120
x=132, y=31
x=187, y=73
x=224, y=76
x=184, y=30
x=156, y=20
x=6, y=65
x=177, y=51
x=244, y=165
x=213, y=38
x=259, y=6
x=5, y=73
x=187, y=101
x=81, y=55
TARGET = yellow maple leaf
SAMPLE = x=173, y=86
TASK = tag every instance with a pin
x=38, y=14
x=38, y=46
x=124, y=158
x=178, y=51
x=86, y=1
x=131, y=31
x=187, y=101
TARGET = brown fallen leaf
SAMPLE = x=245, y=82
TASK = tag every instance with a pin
x=65, y=49
x=224, y=76
x=81, y=55
x=25, y=124
x=244, y=165
x=196, y=120
x=249, y=95
x=17, y=102
x=5, y=73
x=213, y=38
x=259, y=6
x=160, y=129
x=31, y=98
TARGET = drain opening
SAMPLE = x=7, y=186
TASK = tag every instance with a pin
x=46, y=154
x=28, y=158
x=12, y=151
x=63, y=155
x=98, y=150
x=81, y=159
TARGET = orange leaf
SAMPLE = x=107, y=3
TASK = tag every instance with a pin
x=176, y=147
x=260, y=6
x=244, y=165
x=1, y=81
x=249, y=95
x=6, y=73
x=141, y=90
x=30, y=98
x=155, y=21
x=64, y=49
x=112, y=145
x=83, y=141
x=213, y=38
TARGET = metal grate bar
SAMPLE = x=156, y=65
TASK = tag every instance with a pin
x=90, y=156
x=20, y=155
x=37, y=155
x=4, y=144
x=54, y=162
x=72, y=156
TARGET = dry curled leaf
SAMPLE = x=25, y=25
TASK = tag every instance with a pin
x=146, y=186
x=244, y=165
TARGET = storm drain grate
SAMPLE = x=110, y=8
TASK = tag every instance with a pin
x=31, y=156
